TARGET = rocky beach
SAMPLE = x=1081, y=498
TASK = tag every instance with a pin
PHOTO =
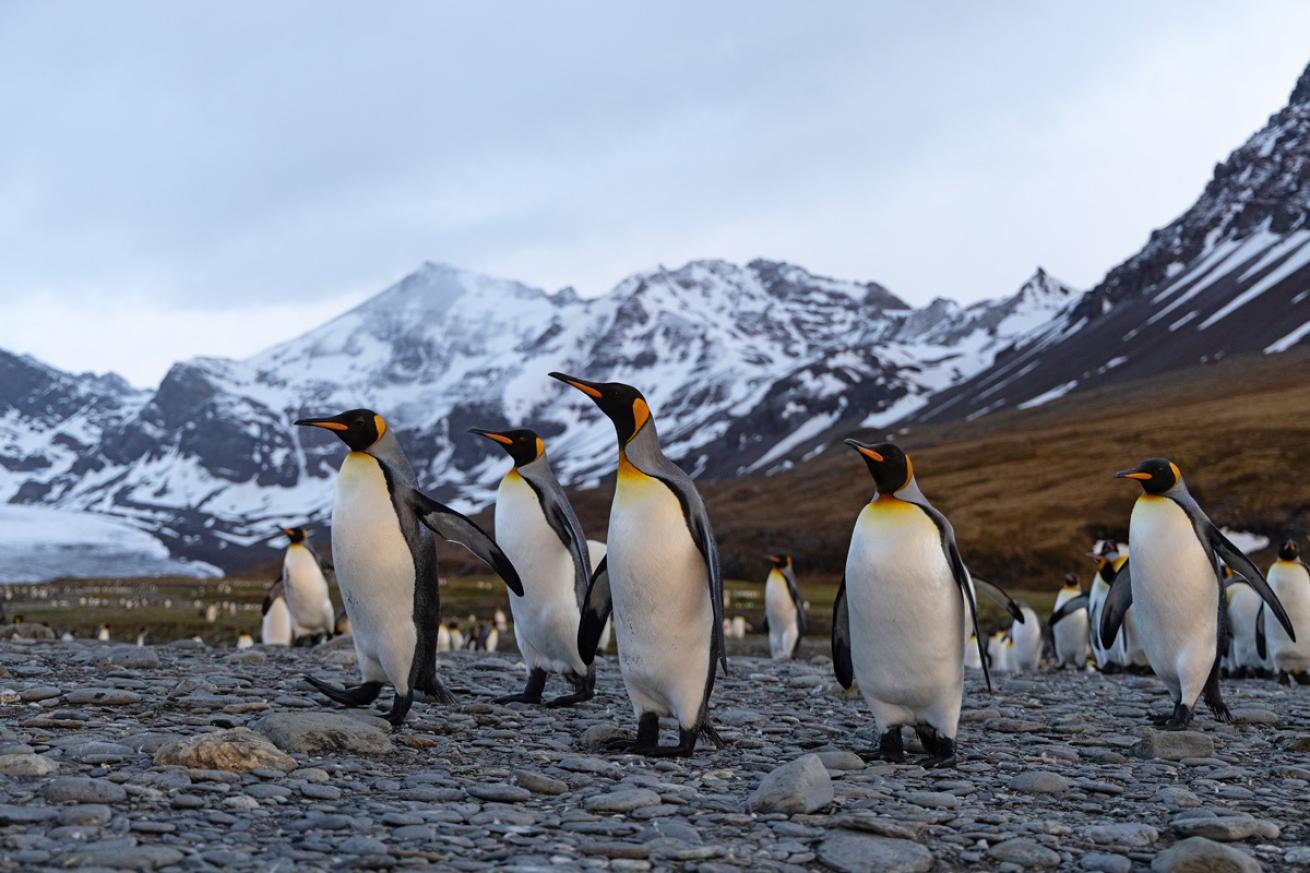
x=184, y=757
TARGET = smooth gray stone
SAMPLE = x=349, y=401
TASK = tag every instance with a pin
x=1199, y=855
x=802, y=785
x=1025, y=852
x=852, y=852
x=81, y=789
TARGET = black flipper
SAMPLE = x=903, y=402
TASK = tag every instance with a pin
x=1242, y=565
x=1261, y=642
x=997, y=594
x=457, y=528
x=1116, y=605
x=595, y=612
x=1068, y=608
x=841, y=639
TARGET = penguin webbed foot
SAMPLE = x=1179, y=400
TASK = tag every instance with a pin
x=1181, y=718
x=399, y=709
x=352, y=695
x=521, y=697
x=584, y=688
x=890, y=748
x=531, y=693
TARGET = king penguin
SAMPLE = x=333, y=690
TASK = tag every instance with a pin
x=1027, y=638
x=386, y=563
x=1171, y=582
x=784, y=613
x=898, y=613
x=275, y=629
x=305, y=587
x=1243, y=659
x=1109, y=658
x=1069, y=625
x=596, y=551
x=542, y=537
x=660, y=578
x=1289, y=577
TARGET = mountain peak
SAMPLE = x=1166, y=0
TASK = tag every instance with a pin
x=1301, y=93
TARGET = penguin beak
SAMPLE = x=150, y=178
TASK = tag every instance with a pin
x=327, y=423
x=1133, y=474
x=491, y=435
x=288, y=531
x=588, y=388
x=864, y=450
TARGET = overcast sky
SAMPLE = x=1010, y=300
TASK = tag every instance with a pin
x=185, y=178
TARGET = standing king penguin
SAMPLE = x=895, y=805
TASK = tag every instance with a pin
x=1069, y=625
x=542, y=536
x=660, y=578
x=386, y=563
x=1172, y=583
x=275, y=629
x=784, y=613
x=305, y=587
x=1109, y=658
x=899, y=610
x=1290, y=578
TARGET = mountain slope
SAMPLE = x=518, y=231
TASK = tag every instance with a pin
x=1230, y=275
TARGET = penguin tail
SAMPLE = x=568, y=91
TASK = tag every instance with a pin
x=708, y=732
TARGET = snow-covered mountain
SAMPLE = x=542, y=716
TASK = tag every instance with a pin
x=743, y=365
x=1230, y=275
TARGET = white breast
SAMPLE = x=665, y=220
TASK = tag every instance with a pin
x=1243, y=607
x=1291, y=583
x=306, y=590
x=905, y=616
x=659, y=586
x=276, y=627
x=375, y=568
x=546, y=617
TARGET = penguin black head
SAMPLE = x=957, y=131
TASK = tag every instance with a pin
x=522, y=445
x=1157, y=475
x=782, y=560
x=622, y=404
x=358, y=428
x=295, y=534
x=890, y=467
x=1071, y=581
x=1289, y=551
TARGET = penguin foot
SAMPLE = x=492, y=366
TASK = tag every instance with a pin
x=708, y=732
x=1284, y=678
x=1181, y=718
x=399, y=709
x=438, y=692
x=584, y=688
x=686, y=745
x=940, y=762
x=571, y=699
x=531, y=693
x=354, y=695
x=890, y=748
x=521, y=697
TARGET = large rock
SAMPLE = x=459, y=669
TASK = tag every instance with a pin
x=1039, y=782
x=1025, y=852
x=325, y=732
x=1228, y=825
x=1174, y=745
x=851, y=852
x=27, y=764
x=1199, y=855
x=235, y=749
x=83, y=789
x=802, y=785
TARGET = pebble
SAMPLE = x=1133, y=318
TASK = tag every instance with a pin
x=1039, y=782
x=802, y=785
x=1025, y=852
x=325, y=732
x=851, y=852
x=81, y=789
x=27, y=764
x=625, y=800
x=237, y=749
x=1174, y=745
x=1199, y=855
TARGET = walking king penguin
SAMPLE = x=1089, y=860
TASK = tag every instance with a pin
x=306, y=589
x=1109, y=658
x=1171, y=581
x=386, y=563
x=276, y=627
x=1243, y=659
x=1069, y=625
x=542, y=536
x=660, y=578
x=784, y=614
x=899, y=610
x=1290, y=579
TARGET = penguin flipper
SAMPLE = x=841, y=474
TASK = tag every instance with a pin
x=1243, y=566
x=1116, y=605
x=564, y=521
x=998, y=596
x=841, y=638
x=1261, y=642
x=698, y=523
x=596, y=608
x=795, y=593
x=457, y=528
x=1068, y=608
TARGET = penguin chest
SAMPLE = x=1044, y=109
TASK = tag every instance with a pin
x=1175, y=591
x=905, y=607
x=374, y=565
x=276, y=627
x=1290, y=581
x=778, y=604
x=546, y=616
x=660, y=593
x=306, y=588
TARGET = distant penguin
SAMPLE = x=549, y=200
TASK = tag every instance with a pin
x=141, y=635
x=342, y=624
x=972, y=657
x=661, y=578
x=305, y=587
x=996, y=652
x=275, y=629
x=784, y=613
x=245, y=640
x=1289, y=577
x=1026, y=637
x=386, y=563
x=739, y=627
x=211, y=613
x=1069, y=625
x=898, y=612
x=501, y=622
x=66, y=637
x=457, y=639
x=103, y=634
x=1171, y=581
x=1243, y=659
x=596, y=549
x=490, y=638
x=541, y=535
x=1109, y=658
x=443, y=638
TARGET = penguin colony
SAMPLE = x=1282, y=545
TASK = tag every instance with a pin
x=1180, y=600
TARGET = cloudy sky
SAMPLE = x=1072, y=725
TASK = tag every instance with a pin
x=185, y=178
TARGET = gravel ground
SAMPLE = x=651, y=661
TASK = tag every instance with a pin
x=182, y=757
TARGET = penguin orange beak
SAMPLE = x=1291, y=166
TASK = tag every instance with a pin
x=1133, y=474
x=588, y=388
x=325, y=423
x=288, y=531
x=491, y=435
x=865, y=450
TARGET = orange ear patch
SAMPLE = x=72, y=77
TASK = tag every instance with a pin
x=1178, y=474
x=380, y=425
x=909, y=471
x=640, y=414
x=541, y=447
